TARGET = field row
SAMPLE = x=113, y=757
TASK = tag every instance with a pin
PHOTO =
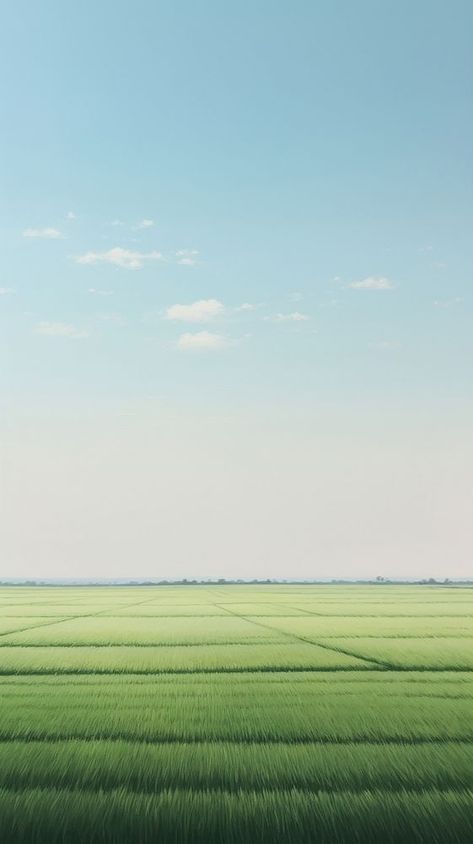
x=277, y=708
x=146, y=767
x=199, y=817
x=100, y=630
x=179, y=658
x=234, y=714
x=357, y=654
x=358, y=610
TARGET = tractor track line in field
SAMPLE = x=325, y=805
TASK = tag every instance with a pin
x=382, y=665
x=70, y=618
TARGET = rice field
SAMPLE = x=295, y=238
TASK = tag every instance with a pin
x=246, y=713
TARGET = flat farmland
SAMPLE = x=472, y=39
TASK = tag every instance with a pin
x=236, y=713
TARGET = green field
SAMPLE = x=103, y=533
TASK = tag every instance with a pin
x=279, y=713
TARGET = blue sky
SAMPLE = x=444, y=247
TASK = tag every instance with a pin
x=235, y=288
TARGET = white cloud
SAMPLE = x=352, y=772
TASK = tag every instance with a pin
x=202, y=311
x=372, y=283
x=203, y=340
x=295, y=316
x=48, y=233
x=447, y=303
x=70, y=215
x=187, y=257
x=4, y=291
x=120, y=257
x=145, y=224
x=60, y=329
x=247, y=306
x=97, y=292
x=117, y=223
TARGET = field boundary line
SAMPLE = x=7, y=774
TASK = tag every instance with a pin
x=31, y=626
x=308, y=612
x=66, y=618
x=138, y=644
x=238, y=789
x=43, y=624
x=288, y=790
x=299, y=741
x=258, y=669
x=361, y=668
x=354, y=678
x=378, y=662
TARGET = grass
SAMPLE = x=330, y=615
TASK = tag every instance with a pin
x=136, y=659
x=243, y=707
x=315, y=628
x=234, y=766
x=202, y=816
x=236, y=714
x=98, y=630
x=10, y=625
x=414, y=652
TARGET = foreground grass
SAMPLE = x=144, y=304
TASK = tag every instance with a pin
x=245, y=707
x=233, y=766
x=236, y=714
x=178, y=658
x=57, y=815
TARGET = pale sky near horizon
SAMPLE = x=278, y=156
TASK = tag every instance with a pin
x=235, y=292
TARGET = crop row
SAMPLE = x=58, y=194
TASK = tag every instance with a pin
x=146, y=767
x=437, y=683
x=463, y=610
x=225, y=708
x=200, y=817
x=336, y=654
x=101, y=630
x=144, y=631
x=135, y=659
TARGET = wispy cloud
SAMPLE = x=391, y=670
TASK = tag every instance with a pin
x=70, y=215
x=145, y=224
x=247, y=306
x=61, y=329
x=295, y=316
x=187, y=257
x=372, y=283
x=96, y=292
x=47, y=233
x=120, y=257
x=203, y=340
x=202, y=311
x=4, y=291
x=447, y=303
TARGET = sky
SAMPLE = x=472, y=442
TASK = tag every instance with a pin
x=235, y=289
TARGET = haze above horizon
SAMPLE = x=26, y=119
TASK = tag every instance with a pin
x=235, y=296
